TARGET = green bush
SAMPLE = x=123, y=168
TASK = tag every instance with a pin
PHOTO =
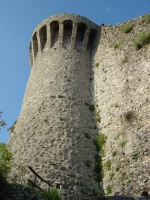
x=50, y=194
x=107, y=165
x=5, y=164
x=108, y=189
x=146, y=18
x=126, y=28
x=100, y=142
x=96, y=64
x=141, y=40
x=92, y=107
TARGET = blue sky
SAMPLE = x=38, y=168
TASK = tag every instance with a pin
x=18, y=18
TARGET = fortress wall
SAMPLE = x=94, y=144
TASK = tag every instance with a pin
x=122, y=93
x=56, y=130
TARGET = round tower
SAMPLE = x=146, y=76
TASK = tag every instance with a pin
x=55, y=130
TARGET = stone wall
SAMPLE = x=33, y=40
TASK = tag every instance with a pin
x=122, y=93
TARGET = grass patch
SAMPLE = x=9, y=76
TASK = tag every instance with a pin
x=111, y=176
x=126, y=28
x=97, y=64
x=77, y=135
x=141, y=40
x=108, y=189
x=146, y=18
x=117, y=45
x=100, y=142
x=135, y=158
x=123, y=143
x=107, y=165
x=118, y=167
x=49, y=194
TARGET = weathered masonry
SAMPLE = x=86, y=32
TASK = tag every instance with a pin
x=88, y=86
x=51, y=132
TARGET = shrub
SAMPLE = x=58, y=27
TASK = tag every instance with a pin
x=118, y=167
x=2, y=123
x=126, y=28
x=49, y=195
x=146, y=18
x=136, y=158
x=107, y=165
x=108, y=189
x=92, y=107
x=141, y=40
x=96, y=64
x=100, y=142
x=5, y=164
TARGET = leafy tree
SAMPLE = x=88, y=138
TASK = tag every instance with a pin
x=5, y=159
x=2, y=123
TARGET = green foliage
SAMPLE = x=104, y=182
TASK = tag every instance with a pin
x=108, y=189
x=5, y=164
x=50, y=194
x=97, y=116
x=111, y=176
x=98, y=169
x=126, y=28
x=116, y=45
x=118, y=167
x=87, y=163
x=117, y=137
x=141, y=40
x=92, y=107
x=128, y=182
x=77, y=135
x=96, y=64
x=124, y=60
x=107, y=165
x=146, y=18
x=87, y=135
x=100, y=142
x=135, y=158
x=114, y=153
x=11, y=129
x=2, y=123
x=95, y=192
x=60, y=96
x=123, y=143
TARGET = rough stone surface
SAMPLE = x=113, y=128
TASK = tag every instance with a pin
x=74, y=64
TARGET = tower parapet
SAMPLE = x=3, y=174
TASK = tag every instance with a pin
x=62, y=31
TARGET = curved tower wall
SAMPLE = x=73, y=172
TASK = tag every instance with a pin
x=51, y=131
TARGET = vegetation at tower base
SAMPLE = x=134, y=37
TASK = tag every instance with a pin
x=5, y=164
x=5, y=159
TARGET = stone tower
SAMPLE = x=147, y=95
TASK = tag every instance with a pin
x=55, y=130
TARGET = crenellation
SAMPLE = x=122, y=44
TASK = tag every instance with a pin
x=61, y=34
